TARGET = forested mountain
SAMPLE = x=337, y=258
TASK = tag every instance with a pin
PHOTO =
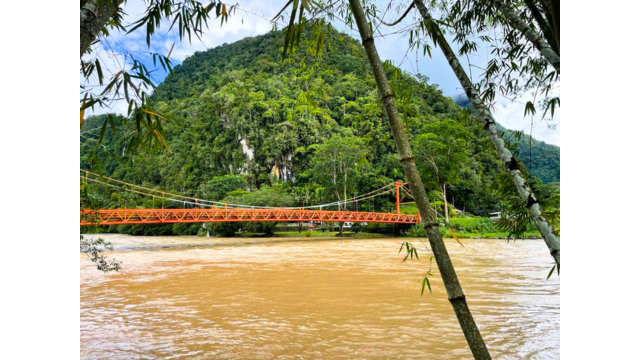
x=545, y=162
x=248, y=121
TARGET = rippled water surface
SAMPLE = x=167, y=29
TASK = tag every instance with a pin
x=189, y=297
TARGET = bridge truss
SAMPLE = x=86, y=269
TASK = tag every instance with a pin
x=154, y=216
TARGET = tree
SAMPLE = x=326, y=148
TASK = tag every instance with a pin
x=273, y=196
x=524, y=38
x=134, y=80
x=442, y=147
x=449, y=277
x=336, y=164
x=511, y=164
x=219, y=186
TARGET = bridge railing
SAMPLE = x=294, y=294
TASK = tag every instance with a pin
x=154, y=216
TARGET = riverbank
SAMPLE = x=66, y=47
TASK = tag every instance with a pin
x=464, y=228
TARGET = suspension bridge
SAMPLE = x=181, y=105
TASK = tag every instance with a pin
x=205, y=211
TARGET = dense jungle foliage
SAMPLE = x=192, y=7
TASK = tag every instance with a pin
x=251, y=129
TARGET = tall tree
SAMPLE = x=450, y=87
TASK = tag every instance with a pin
x=529, y=33
x=134, y=80
x=482, y=112
x=94, y=15
x=442, y=147
x=523, y=42
x=336, y=164
x=450, y=279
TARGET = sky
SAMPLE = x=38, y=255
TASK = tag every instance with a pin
x=252, y=18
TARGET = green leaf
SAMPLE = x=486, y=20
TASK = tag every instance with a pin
x=551, y=272
x=112, y=122
x=99, y=69
x=425, y=281
x=170, y=50
x=529, y=108
x=102, y=131
x=320, y=43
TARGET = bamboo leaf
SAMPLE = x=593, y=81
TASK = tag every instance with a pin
x=551, y=272
x=153, y=113
x=82, y=118
x=170, y=50
x=102, y=131
x=99, y=69
x=455, y=237
x=112, y=123
x=425, y=281
x=320, y=43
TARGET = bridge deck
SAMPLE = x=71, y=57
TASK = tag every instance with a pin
x=155, y=216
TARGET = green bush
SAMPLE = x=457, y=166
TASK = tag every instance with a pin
x=185, y=229
x=473, y=225
x=477, y=226
x=307, y=233
x=265, y=227
x=417, y=230
x=224, y=229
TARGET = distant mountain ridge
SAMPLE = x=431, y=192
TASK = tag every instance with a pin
x=545, y=161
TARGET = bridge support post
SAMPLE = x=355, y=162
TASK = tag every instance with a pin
x=398, y=197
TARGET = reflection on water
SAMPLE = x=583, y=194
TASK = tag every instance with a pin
x=189, y=297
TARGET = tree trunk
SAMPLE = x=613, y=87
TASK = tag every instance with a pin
x=509, y=161
x=535, y=39
x=446, y=206
x=544, y=26
x=427, y=214
x=93, y=18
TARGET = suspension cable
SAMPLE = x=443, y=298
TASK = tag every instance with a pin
x=199, y=202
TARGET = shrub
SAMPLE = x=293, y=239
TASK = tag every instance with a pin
x=224, y=229
x=265, y=227
x=307, y=233
x=473, y=225
x=417, y=230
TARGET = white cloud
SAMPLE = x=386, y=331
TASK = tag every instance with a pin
x=511, y=115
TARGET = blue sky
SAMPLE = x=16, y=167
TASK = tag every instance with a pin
x=252, y=19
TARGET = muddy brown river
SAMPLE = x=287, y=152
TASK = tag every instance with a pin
x=279, y=298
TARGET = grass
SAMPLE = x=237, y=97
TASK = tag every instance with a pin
x=492, y=235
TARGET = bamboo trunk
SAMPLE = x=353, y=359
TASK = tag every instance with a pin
x=449, y=277
x=93, y=16
x=535, y=39
x=509, y=161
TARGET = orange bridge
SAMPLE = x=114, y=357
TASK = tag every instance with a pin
x=155, y=216
x=204, y=211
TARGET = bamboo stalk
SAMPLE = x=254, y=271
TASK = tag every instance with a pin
x=449, y=277
x=535, y=39
x=483, y=113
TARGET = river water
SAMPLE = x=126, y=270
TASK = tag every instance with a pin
x=191, y=297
